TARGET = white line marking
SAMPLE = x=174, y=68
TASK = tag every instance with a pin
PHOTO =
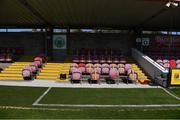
x=171, y=94
x=40, y=98
x=36, y=103
x=109, y=106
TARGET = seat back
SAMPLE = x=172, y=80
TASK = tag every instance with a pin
x=172, y=63
x=97, y=65
x=133, y=76
x=95, y=75
x=89, y=68
x=82, y=67
x=113, y=66
x=122, y=71
x=76, y=74
x=26, y=72
x=128, y=66
x=166, y=65
x=178, y=61
x=178, y=65
x=105, y=68
x=121, y=65
x=165, y=61
x=114, y=73
x=33, y=68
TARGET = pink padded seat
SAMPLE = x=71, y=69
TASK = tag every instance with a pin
x=114, y=73
x=76, y=74
x=105, y=68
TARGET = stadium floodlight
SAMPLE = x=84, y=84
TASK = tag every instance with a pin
x=172, y=4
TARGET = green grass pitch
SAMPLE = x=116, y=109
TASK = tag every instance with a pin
x=16, y=102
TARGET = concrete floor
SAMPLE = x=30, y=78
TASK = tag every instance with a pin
x=52, y=83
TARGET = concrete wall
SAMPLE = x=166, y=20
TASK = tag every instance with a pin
x=119, y=41
x=32, y=43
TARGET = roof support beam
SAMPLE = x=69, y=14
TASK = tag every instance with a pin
x=34, y=11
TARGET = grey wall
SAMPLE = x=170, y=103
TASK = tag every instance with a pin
x=119, y=41
x=32, y=43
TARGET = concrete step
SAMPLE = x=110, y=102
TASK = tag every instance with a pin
x=12, y=72
x=53, y=68
x=47, y=77
x=50, y=71
x=47, y=74
x=11, y=78
x=10, y=75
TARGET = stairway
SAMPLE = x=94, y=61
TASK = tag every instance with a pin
x=141, y=75
x=52, y=71
x=14, y=71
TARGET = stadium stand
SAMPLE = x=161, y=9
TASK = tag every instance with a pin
x=26, y=70
x=96, y=71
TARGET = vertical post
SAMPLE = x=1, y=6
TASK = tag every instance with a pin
x=168, y=84
x=48, y=42
x=68, y=41
x=138, y=35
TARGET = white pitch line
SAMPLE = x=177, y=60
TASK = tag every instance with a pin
x=40, y=98
x=174, y=96
x=36, y=103
x=109, y=106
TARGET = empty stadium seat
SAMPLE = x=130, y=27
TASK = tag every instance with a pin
x=113, y=73
x=133, y=76
x=127, y=67
x=178, y=65
x=82, y=67
x=121, y=70
x=34, y=68
x=95, y=75
x=165, y=61
x=27, y=73
x=172, y=63
x=105, y=68
x=178, y=61
x=166, y=65
x=76, y=74
x=89, y=68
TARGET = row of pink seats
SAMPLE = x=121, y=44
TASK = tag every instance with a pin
x=96, y=70
x=86, y=68
x=99, y=59
x=30, y=71
x=169, y=63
